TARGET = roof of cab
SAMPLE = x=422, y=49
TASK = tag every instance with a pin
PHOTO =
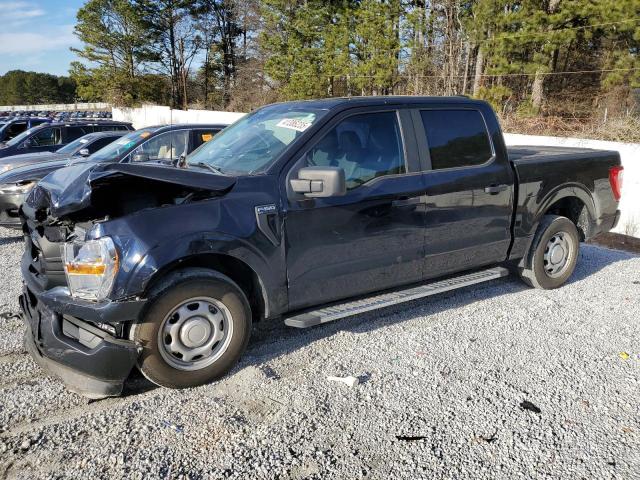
x=179, y=126
x=348, y=102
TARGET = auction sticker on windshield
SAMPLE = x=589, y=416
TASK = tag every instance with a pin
x=294, y=124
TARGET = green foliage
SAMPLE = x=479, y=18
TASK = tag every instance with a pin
x=117, y=41
x=30, y=88
x=515, y=54
x=495, y=95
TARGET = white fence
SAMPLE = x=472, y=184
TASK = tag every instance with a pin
x=58, y=107
x=630, y=155
x=149, y=115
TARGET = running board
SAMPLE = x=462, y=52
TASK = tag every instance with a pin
x=336, y=312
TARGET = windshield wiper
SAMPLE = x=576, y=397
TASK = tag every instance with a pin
x=208, y=166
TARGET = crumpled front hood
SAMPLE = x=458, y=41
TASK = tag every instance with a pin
x=70, y=190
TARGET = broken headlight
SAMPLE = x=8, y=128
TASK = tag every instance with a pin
x=90, y=267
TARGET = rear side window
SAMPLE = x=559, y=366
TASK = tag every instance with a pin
x=203, y=136
x=15, y=128
x=457, y=138
x=100, y=143
x=77, y=132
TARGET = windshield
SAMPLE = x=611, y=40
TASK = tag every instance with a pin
x=122, y=146
x=19, y=138
x=71, y=148
x=254, y=142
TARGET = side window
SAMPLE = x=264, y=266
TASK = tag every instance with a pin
x=101, y=142
x=457, y=138
x=47, y=137
x=74, y=133
x=203, y=136
x=166, y=146
x=365, y=146
x=16, y=128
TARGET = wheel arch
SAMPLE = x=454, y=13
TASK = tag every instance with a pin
x=237, y=270
x=573, y=202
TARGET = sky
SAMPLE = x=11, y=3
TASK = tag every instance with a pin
x=35, y=35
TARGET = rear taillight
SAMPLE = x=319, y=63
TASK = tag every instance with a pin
x=615, y=179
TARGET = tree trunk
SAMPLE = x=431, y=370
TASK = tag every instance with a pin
x=477, y=80
x=466, y=68
x=537, y=89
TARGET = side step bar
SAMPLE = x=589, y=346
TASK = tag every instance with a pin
x=336, y=312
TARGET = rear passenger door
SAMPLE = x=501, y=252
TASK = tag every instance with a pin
x=469, y=190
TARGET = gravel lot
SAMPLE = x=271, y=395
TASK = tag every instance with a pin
x=444, y=389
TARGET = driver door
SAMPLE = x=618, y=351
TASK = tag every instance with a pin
x=372, y=237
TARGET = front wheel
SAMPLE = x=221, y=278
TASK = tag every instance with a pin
x=553, y=254
x=194, y=330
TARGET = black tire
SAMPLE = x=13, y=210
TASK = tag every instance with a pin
x=173, y=291
x=535, y=273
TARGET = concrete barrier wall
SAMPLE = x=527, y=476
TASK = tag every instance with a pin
x=64, y=107
x=630, y=156
x=158, y=115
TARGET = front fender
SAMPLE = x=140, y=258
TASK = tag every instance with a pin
x=154, y=261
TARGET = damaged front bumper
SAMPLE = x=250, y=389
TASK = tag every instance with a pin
x=89, y=360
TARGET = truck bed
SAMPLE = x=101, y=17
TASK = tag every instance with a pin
x=530, y=153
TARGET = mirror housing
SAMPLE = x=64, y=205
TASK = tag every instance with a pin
x=140, y=157
x=26, y=144
x=318, y=182
x=84, y=152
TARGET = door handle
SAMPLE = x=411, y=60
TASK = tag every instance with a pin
x=495, y=189
x=404, y=202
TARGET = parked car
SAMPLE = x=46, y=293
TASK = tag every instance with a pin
x=162, y=144
x=52, y=136
x=25, y=171
x=17, y=125
x=308, y=211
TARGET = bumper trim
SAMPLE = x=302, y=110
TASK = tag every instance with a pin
x=75, y=381
x=59, y=300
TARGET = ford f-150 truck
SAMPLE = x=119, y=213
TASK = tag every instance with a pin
x=305, y=211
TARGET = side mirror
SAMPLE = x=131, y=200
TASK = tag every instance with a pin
x=84, y=152
x=316, y=182
x=140, y=157
x=27, y=143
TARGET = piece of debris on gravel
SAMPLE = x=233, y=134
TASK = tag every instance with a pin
x=443, y=396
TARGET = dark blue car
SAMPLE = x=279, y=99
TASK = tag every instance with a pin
x=12, y=127
x=50, y=137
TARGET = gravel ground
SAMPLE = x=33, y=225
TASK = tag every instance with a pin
x=493, y=381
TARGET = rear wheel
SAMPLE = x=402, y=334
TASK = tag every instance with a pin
x=194, y=331
x=553, y=254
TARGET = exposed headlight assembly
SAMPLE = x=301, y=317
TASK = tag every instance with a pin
x=90, y=267
x=17, y=188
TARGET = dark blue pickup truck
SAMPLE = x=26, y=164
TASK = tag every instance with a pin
x=305, y=211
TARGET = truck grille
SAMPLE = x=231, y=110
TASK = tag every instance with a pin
x=43, y=255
